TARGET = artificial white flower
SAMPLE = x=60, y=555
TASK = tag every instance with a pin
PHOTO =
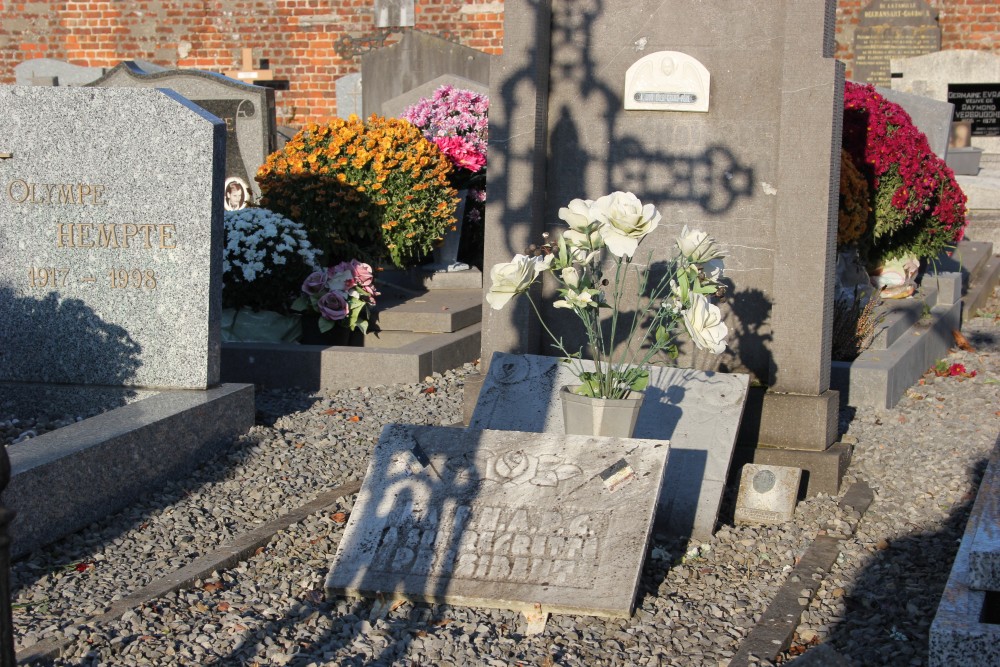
x=703, y=321
x=624, y=221
x=698, y=246
x=578, y=215
x=515, y=277
x=570, y=276
x=713, y=270
x=575, y=299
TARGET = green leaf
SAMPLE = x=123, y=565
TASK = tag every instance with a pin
x=301, y=304
x=641, y=381
x=324, y=325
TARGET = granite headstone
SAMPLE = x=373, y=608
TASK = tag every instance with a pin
x=417, y=58
x=699, y=412
x=890, y=29
x=247, y=110
x=54, y=73
x=502, y=519
x=930, y=76
x=110, y=238
x=395, y=107
x=349, y=95
x=979, y=104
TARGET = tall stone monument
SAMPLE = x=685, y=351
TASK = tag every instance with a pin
x=759, y=171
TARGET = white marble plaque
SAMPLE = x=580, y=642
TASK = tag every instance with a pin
x=502, y=519
x=767, y=494
x=698, y=412
x=667, y=81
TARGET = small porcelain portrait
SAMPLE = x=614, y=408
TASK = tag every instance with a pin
x=237, y=194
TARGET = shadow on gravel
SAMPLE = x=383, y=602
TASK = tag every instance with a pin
x=895, y=598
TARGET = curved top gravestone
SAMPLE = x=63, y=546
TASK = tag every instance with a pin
x=248, y=112
x=110, y=238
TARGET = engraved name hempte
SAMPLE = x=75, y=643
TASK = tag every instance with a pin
x=523, y=545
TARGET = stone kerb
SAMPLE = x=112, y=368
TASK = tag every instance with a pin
x=110, y=238
x=698, y=412
x=759, y=170
x=247, y=110
x=502, y=519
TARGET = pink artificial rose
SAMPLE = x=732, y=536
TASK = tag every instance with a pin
x=333, y=306
x=339, y=278
x=314, y=283
x=362, y=273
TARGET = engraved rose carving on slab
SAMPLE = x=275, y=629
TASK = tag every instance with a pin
x=520, y=467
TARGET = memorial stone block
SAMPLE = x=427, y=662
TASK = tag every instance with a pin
x=110, y=238
x=698, y=412
x=502, y=519
x=767, y=494
x=890, y=29
x=248, y=112
x=349, y=95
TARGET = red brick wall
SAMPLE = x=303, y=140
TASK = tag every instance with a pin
x=965, y=24
x=298, y=37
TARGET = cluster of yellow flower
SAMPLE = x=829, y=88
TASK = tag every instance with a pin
x=372, y=189
x=855, y=204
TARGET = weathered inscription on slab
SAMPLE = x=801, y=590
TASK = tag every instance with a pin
x=110, y=238
x=889, y=29
x=502, y=519
x=698, y=412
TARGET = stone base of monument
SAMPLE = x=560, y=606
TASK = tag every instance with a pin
x=66, y=479
x=422, y=332
x=534, y=522
x=916, y=332
x=797, y=431
x=966, y=629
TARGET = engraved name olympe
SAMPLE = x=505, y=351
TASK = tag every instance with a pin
x=112, y=235
x=523, y=545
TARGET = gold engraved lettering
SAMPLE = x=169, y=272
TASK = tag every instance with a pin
x=116, y=235
x=84, y=240
x=106, y=237
x=64, y=239
x=47, y=276
x=18, y=191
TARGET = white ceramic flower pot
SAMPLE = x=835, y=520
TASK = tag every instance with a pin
x=584, y=415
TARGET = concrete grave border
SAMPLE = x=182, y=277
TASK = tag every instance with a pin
x=66, y=479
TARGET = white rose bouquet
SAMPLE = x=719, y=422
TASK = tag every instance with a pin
x=679, y=301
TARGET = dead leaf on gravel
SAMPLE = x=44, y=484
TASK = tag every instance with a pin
x=354, y=418
x=339, y=517
x=222, y=606
x=962, y=341
x=212, y=586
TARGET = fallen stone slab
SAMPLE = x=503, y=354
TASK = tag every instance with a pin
x=535, y=522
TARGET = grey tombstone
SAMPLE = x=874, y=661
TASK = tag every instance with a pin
x=110, y=238
x=416, y=59
x=349, y=95
x=51, y=72
x=395, y=107
x=767, y=494
x=930, y=75
x=502, y=519
x=931, y=117
x=248, y=112
x=890, y=29
x=759, y=172
x=698, y=412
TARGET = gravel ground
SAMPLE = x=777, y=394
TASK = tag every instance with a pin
x=696, y=603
